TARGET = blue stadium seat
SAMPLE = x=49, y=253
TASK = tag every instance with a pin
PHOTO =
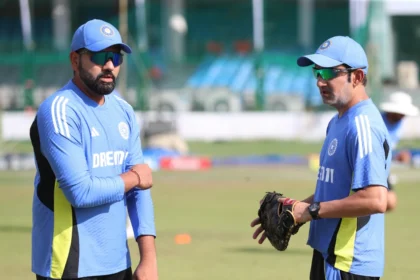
x=250, y=85
x=244, y=73
x=300, y=84
x=285, y=82
x=210, y=78
x=272, y=75
x=228, y=72
x=236, y=73
x=313, y=96
x=197, y=78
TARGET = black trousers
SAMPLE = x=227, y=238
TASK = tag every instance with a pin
x=122, y=275
x=318, y=272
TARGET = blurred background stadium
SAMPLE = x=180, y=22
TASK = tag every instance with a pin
x=218, y=95
x=205, y=54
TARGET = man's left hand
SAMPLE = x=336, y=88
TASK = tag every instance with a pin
x=146, y=270
x=300, y=211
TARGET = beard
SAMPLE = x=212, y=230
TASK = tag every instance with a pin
x=95, y=84
x=335, y=99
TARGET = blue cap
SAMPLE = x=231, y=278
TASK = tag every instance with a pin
x=336, y=51
x=97, y=35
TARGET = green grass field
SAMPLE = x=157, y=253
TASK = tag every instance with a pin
x=216, y=207
x=229, y=148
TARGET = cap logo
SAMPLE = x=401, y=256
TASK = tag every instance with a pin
x=325, y=45
x=106, y=30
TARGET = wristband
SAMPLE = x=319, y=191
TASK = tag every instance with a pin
x=137, y=174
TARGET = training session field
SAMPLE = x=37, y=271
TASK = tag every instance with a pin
x=215, y=207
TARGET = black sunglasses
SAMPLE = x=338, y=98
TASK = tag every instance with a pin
x=101, y=58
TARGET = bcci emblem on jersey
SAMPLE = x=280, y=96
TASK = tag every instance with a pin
x=333, y=147
x=124, y=131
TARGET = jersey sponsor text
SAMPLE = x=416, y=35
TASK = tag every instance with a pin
x=326, y=174
x=109, y=158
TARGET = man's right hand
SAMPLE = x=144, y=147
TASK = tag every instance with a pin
x=145, y=173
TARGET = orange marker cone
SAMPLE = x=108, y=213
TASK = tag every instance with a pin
x=182, y=239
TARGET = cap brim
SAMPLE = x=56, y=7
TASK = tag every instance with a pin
x=406, y=110
x=99, y=46
x=318, y=59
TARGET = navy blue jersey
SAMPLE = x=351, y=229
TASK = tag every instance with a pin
x=79, y=204
x=355, y=154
